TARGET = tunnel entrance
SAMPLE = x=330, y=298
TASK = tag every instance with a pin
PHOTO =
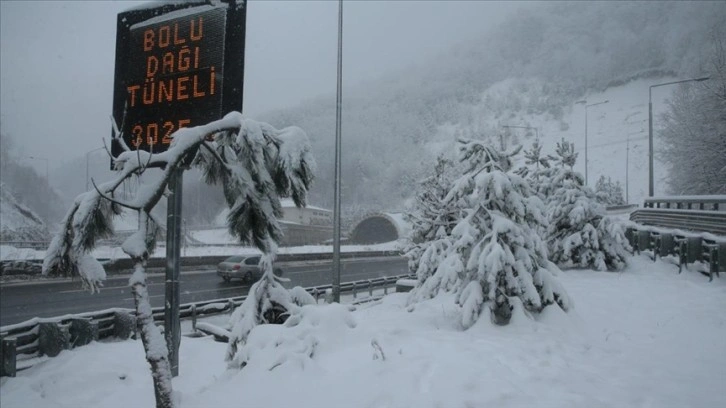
x=375, y=229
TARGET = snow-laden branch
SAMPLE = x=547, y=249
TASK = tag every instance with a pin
x=256, y=165
x=255, y=162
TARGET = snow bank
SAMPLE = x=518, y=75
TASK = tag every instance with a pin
x=644, y=337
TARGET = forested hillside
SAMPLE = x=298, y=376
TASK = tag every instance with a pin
x=18, y=222
x=530, y=70
x=27, y=189
x=550, y=56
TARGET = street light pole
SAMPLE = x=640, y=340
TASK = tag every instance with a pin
x=338, y=129
x=87, y=155
x=650, y=127
x=587, y=106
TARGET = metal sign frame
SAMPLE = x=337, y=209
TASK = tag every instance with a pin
x=173, y=94
x=229, y=83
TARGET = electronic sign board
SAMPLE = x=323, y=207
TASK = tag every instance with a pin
x=177, y=65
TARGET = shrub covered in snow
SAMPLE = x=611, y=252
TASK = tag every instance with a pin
x=267, y=302
x=609, y=193
x=578, y=231
x=432, y=219
x=295, y=341
x=493, y=255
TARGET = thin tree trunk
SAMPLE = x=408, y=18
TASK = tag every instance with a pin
x=157, y=353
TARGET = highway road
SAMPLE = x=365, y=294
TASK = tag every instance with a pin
x=23, y=301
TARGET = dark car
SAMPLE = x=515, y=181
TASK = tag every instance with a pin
x=246, y=268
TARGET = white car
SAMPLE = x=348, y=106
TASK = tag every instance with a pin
x=242, y=267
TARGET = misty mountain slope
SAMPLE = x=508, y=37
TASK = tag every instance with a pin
x=617, y=131
x=530, y=69
x=18, y=222
x=28, y=187
x=527, y=71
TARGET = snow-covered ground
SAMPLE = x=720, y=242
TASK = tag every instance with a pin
x=646, y=337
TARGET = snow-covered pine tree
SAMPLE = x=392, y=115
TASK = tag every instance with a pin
x=255, y=163
x=534, y=161
x=578, y=232
x=494, y=259
x=537, y=170
x=609, y=193
x=617, y=196
x=431, y=219
x=602, y=190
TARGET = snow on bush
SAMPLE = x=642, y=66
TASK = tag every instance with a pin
x=431, y=219
x=579, y=233
x=295, y=342
x=493, y=254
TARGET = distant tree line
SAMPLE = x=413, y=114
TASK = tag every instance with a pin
x=693, y=130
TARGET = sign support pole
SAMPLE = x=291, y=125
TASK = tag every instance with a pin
x=172, y=325
x=338, y=131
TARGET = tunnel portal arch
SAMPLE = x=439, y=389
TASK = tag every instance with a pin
x=379, y=228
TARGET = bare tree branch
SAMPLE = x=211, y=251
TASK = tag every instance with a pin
x=122, y=204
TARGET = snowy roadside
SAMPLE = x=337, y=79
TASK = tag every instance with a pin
x=643, y=337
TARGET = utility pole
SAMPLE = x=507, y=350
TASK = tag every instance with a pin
x=172, y=325
x=627, y=168
x=338, y=128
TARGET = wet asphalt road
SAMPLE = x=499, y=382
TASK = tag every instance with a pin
x=23, y=301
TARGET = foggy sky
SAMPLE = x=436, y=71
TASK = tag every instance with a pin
x=57, y=58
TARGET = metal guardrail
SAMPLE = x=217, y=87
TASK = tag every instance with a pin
x=706, y=213
x=689, y=247
x=694, y=220
x=693, y=228
x=27, y=343
x=26, y=244
x=621, y=207
x=702, y=202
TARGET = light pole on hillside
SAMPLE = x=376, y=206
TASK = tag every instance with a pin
x=650, y=127
x=88, y=153
x=587, y=106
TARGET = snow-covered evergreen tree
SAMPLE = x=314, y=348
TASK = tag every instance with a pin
x=256, y=165
x=609, y=193
x=493, y=258
x=537, y=170
x=578, y=232
x=431, y=219
x=534, y=161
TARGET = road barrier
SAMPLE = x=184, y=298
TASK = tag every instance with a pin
x=702, y=202
x=694, y=220
x=689, y=247
x=25, y=344
x=696, y=213
x=683, y=226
